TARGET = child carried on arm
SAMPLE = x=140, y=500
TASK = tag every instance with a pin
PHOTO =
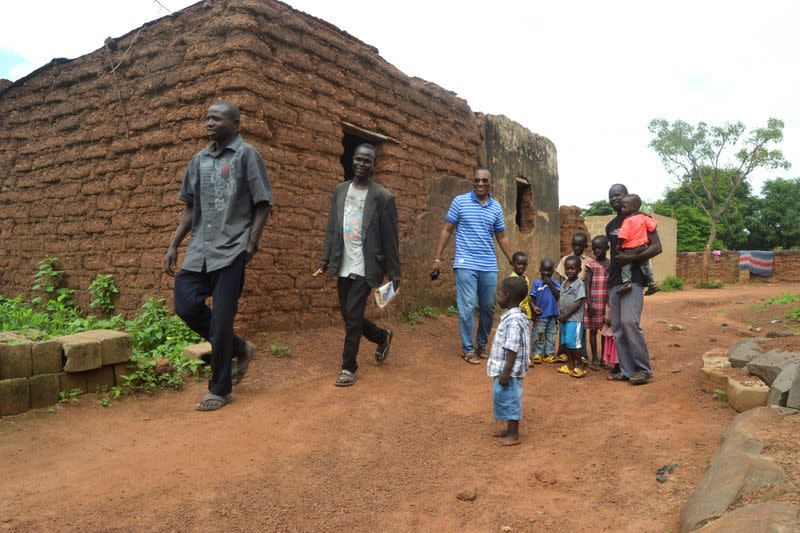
x=633, y=240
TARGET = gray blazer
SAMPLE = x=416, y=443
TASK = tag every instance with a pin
x=379, y=229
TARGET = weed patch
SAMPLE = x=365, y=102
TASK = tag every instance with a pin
x=671, y=283
x=711, y=284
x=280, y=350
x=414, y=317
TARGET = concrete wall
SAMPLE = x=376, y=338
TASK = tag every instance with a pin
x=91, y=161
x=664, y=264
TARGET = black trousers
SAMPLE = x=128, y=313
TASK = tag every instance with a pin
x=353, y=293
x=213, y=324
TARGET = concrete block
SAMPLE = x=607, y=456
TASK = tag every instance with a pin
x=746, y=395
x=14, y=396
x=713, y=376
x=15, y=356
x=100, y=378
x=46, y=357
x=44, y=390
x=769, y=365
x=759, y=517
x=793, y=399
x=743, y=352
x=115, y=346
x=67, y=382
x=198, y=351
x=82, y=353
x=779, y=390
x=120, y=371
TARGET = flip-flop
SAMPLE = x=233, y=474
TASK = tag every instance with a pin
x=346, y=378
x=212, y=402
x=577, y=373
x=564, y=369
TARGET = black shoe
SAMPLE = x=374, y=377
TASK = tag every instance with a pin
x=640, y=378
x=242, y=363
x=616, y=376
x=382, y=352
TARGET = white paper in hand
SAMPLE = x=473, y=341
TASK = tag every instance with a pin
x=385, y=294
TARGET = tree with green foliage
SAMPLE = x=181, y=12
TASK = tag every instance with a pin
x=703, y=157
x=775, y=221
x=597, y=208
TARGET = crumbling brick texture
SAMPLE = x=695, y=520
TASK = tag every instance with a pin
x=91, y=160
x=785, y=267
x=571, y=222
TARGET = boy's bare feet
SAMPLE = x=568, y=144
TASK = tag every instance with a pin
x=509, y=440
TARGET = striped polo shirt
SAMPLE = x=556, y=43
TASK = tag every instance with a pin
x=476, y=225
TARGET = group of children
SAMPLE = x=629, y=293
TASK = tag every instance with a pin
x=571, y=298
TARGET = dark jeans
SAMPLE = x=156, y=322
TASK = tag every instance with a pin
x=213, y=324
x=353, y=293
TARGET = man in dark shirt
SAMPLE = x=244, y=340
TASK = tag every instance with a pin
x=227, y=200
x=626, y=308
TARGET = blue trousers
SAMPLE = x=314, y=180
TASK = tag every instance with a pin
x=215, y=325
x=475, y=287
x=544, y=335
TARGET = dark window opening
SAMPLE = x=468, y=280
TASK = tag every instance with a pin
x=525, y=215
x=349, y=144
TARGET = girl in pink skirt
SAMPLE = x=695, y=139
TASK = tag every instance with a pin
x=609, y=344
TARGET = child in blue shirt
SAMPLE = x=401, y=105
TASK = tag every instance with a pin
x=544, y=303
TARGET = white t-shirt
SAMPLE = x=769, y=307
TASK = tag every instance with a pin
x=353, y=259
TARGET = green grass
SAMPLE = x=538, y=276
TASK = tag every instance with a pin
x=711, y=284
x=783, y=299
x=280, y=350
x=414, y=317
x=671, y=283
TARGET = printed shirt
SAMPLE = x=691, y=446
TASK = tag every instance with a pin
x=634, y=230
x=544, y=298
x=526, y=303
x=222, y=190
x=571, y=292
x=614, y=274
x=353, y=257
x=476, y=225
x=513, y=333
x=560, y=267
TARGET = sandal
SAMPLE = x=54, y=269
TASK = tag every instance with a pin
x=549, y=359
x=346, y=378
x=471, y=358
x=564, y=369
x=578, y=373
x=482, y=353
x=562, y=358
x=594, y=366
x=536, y=360
x=212, y=402
x=242, y=362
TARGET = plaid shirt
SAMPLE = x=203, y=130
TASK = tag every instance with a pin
x=513, y=333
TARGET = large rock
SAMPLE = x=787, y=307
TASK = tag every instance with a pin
x=779, y=390
x=44, y=390
x=15, y=356
x=14, y=396
x=743, y=352
x=744, y=395
x=115, y=346
x=46, y=357
x=769, y=365
x=82, y=353
x=198, y=351
x=765, y=517
x=793, y=399
x=736, y=469
x=68, y=382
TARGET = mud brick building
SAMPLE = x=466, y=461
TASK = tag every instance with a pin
x=93, y=150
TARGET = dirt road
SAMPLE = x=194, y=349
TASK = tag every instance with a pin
x=295, y=453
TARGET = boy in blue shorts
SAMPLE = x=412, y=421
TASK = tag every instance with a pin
x=508, y=361
x=544, y=303
x=570, y=317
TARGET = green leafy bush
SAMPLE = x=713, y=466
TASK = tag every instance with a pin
x=103, y=290
x=671, y=283
x=711, y=284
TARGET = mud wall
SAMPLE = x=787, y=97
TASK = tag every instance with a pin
x=92, y=153
x=785, y=267
x=572, y=222
x=525, y=171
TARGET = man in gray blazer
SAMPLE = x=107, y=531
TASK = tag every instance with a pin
x=361, y=248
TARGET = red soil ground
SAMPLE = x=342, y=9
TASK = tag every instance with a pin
x=295, y=453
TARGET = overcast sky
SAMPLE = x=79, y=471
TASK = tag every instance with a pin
x=588, y=75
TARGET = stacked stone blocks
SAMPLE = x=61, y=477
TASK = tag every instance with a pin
x=33, y=373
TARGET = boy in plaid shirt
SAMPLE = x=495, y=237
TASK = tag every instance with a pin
x=509, y=359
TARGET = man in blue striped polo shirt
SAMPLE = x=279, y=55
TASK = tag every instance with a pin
x=477, y=220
